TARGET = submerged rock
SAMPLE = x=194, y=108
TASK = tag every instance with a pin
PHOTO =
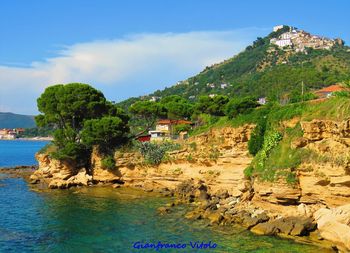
x=296, y=226
x=163, y=210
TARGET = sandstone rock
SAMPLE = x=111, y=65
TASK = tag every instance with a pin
x=283, y=226
x=299, y=142
x=163, y=210
x=58, y=184
x=194, y=215
x=222, y=194
x=249, y=221
x=264, y=229
x=334, y=225
x=82, y=178
x=34, y=179
x=215, y=218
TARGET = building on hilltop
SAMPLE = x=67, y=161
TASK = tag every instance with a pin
x=277, y=27
x=299, y=40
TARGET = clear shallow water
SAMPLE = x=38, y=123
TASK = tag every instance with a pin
x=18, y=152
x=101, y=219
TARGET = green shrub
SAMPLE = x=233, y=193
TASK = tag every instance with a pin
x=73, y=151
x=342, y=94
x=214, y=154
x=182, y=128
x=248, y=172
x=48, y=148
x=193, y=146
x=271, y=141
x=108, y=162
x=153, y=153
x=256, y=140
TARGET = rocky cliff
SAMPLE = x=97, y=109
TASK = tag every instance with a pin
x=208, y=169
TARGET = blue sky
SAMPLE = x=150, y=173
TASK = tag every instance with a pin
x=130, y=48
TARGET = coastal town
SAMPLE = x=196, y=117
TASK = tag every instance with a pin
x=10, y=134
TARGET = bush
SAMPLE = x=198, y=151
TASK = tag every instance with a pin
x=48, y=148
x=270, y=142
x=182, y=128
x=342, y=94
x=73, y=151
x=256, y=140
x=153, y=153
x=108, y=162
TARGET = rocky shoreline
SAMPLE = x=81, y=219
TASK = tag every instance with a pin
x=223, y=209
x=19, y=171
x=219, y=209
x=208, y=173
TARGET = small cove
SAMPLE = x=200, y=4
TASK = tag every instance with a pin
x=103, y=219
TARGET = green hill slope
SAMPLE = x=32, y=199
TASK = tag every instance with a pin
x=11, y=120
x=263, y=69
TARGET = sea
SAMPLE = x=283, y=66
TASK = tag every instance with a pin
x=103, y=219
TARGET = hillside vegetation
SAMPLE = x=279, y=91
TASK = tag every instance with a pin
x=263, y=69
x=11, y=120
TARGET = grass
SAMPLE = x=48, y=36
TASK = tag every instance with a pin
x=335, y=108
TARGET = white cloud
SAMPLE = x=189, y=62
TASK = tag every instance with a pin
x=131, y=66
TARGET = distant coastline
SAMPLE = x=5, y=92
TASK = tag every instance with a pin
x=30, y=139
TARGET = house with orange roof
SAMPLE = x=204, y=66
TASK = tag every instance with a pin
x=328, y=91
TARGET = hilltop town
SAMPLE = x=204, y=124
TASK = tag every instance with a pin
x=299, y=40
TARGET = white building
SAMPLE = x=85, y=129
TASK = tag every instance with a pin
x=223, y=85
x=277, y=27
x=211, y=85
x=262, y=100
x=283, y=42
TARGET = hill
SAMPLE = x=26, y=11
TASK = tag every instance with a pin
x=11, y=120
x=265, y=68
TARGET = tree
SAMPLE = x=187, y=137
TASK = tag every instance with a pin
x=67, y=108
x=238, y=106
x=146, y=113
x=217, y=107
x=214, y=106
x=177, y=107
x=107, y=132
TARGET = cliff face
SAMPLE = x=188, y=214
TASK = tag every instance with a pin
x=59, y=174
x=218, y=158
x=326, y=179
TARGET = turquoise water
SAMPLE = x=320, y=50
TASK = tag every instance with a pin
x=102, y=219
x=18, y=152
